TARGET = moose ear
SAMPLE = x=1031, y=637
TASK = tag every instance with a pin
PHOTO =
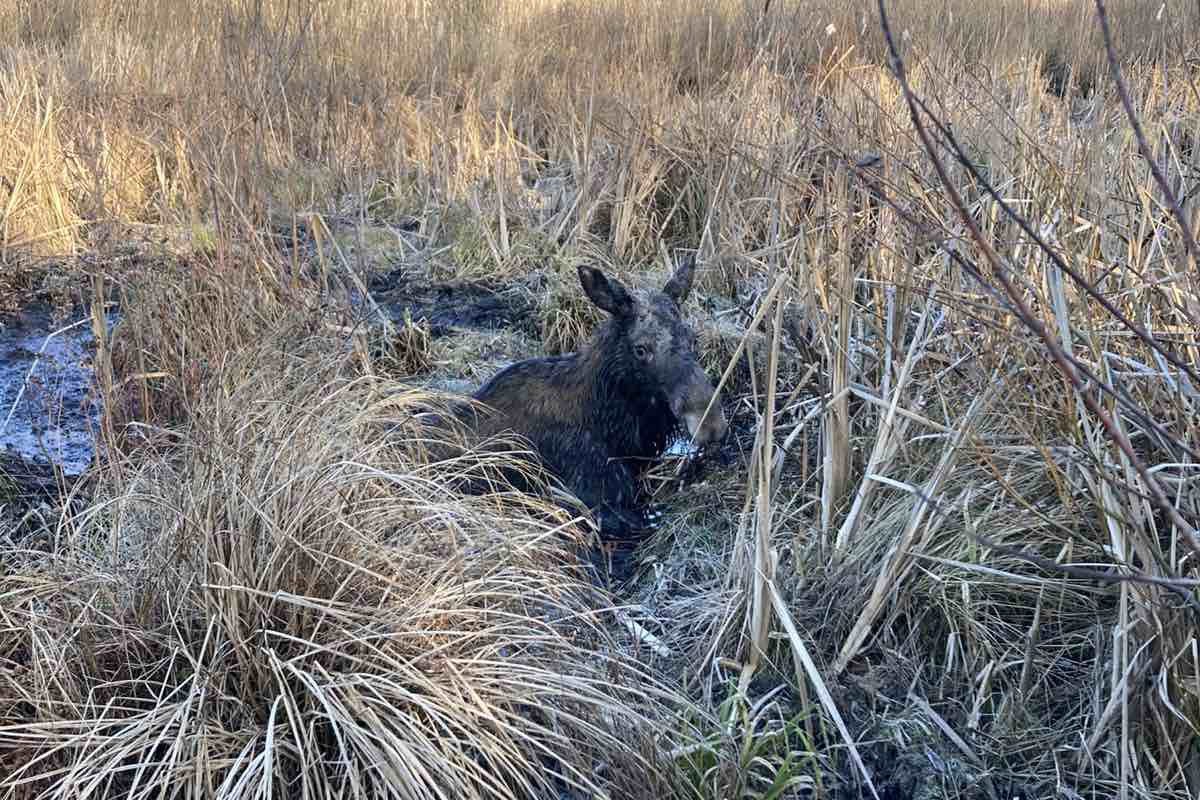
x=680, y=284
x=605, y=292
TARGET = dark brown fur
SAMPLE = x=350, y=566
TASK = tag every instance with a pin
x=598, y=417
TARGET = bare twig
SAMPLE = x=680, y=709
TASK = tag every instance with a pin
x=1020, y=307
x=1185, y=227
x=1004, y=301
x=1024, y=224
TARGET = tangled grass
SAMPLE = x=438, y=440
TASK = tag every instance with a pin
x=954, y=317
x=285, y=603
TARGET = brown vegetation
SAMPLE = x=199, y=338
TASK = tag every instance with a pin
x=959, y=551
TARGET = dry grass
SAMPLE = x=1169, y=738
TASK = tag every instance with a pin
x=411, y=642
x=932, y=547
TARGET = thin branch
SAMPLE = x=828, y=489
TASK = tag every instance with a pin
x=962, y=158
x=1184, y=588
x=1185, y=227
x=1021, y=308
x=1117, y=393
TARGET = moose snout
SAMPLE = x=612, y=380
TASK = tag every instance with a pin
x=699, y=395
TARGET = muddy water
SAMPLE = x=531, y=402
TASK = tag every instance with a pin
x=47, y=409
x=461, y=305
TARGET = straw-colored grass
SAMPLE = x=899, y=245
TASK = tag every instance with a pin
x=291, y=602
x=935, y=560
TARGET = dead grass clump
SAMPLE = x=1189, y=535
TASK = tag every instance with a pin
x=723, y=343
x=120, y=172
x=181, y=319
x=474, y=356
x=370, y=249
x=408, y=350
x=291, y=603
x=71, y=180
x=470, y=242
x=39, y=192
x=566, y=317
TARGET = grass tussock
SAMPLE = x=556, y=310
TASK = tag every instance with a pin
x=952, y=549
x=287, y=603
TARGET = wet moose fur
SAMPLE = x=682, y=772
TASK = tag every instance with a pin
x=600, y=416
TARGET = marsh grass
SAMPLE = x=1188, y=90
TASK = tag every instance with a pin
x=289, y=551
x=931, y=561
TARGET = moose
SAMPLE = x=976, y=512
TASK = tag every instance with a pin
x=599, y=417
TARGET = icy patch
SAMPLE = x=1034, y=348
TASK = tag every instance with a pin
x=46, y=413
x=681, y=446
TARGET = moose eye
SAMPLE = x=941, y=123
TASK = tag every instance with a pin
x=641, y=351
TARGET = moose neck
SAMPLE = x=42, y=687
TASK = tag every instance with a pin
x=632, y=416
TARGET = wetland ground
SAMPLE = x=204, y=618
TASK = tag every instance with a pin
x=949, y=552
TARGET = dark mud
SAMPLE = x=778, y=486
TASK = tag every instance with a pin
x=455, y=306
x=47, y=411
